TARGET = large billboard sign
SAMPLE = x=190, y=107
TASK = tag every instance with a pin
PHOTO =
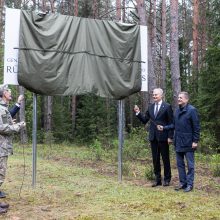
x=12, y=25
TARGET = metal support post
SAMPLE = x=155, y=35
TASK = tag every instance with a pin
x=120, y=137
x=34, y=140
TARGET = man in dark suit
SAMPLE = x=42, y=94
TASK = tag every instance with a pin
x=159, y=113
x=186, y=138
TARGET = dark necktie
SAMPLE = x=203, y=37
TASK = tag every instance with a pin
x=156, y=110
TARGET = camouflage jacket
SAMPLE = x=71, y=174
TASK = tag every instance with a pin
x=7, y=128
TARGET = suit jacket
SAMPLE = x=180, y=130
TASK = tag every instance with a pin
x=187, y=128
x=164, y=117
x=13, y=110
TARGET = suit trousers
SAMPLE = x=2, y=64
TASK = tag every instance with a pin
x=161, y=148
x=186, y=178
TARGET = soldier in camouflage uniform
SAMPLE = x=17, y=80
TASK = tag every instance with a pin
x=7, y=129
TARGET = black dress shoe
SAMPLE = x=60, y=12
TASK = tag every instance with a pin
x=188, y=189
x=156, y=184
x=3, y=210
x=166, y=183
x=2, y=194
x=180, y=187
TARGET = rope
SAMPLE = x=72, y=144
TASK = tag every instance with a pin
x=78, y=52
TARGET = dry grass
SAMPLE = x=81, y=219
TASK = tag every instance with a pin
x=71, y=185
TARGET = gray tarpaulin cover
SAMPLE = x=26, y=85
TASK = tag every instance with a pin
x=65, y=55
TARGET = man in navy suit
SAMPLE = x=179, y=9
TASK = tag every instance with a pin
x=159, y=113
x=186, y=138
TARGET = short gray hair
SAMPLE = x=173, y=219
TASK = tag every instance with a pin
x=186, y=94
x=3, y=88
x=160, y=90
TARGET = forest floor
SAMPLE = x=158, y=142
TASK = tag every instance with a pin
x=72, y=184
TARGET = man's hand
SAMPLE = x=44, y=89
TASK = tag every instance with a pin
x=20, y=99
x=159, y=127
x=194, y=145
x=22, y=124
x=170, y=141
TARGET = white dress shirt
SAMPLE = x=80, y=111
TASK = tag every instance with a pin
x=159, y=105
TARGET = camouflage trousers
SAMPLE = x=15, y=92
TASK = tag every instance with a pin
x=3, y=168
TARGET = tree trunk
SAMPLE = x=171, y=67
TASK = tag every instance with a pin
x=73, y=98
x=73, y=113
x=124, y=9
x=44, y=5
x=149, y=19
x=154, y=42
x=108, y=111
x=174, y=52
x=95, y=9
x=131, y=111
x=195, y=44
x=34, y=5
x=47, y=107
x=75, y=7
x=203, y=11
x=118, y=10
x=52, y=6
x=48, y=101
x=106, y=8
x=184, y=30
x=195, y=33
x=130, y=116
x=164, y=47
x=2, y=21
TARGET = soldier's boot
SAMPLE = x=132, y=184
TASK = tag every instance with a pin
x=3, y=210
x=4, y=205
